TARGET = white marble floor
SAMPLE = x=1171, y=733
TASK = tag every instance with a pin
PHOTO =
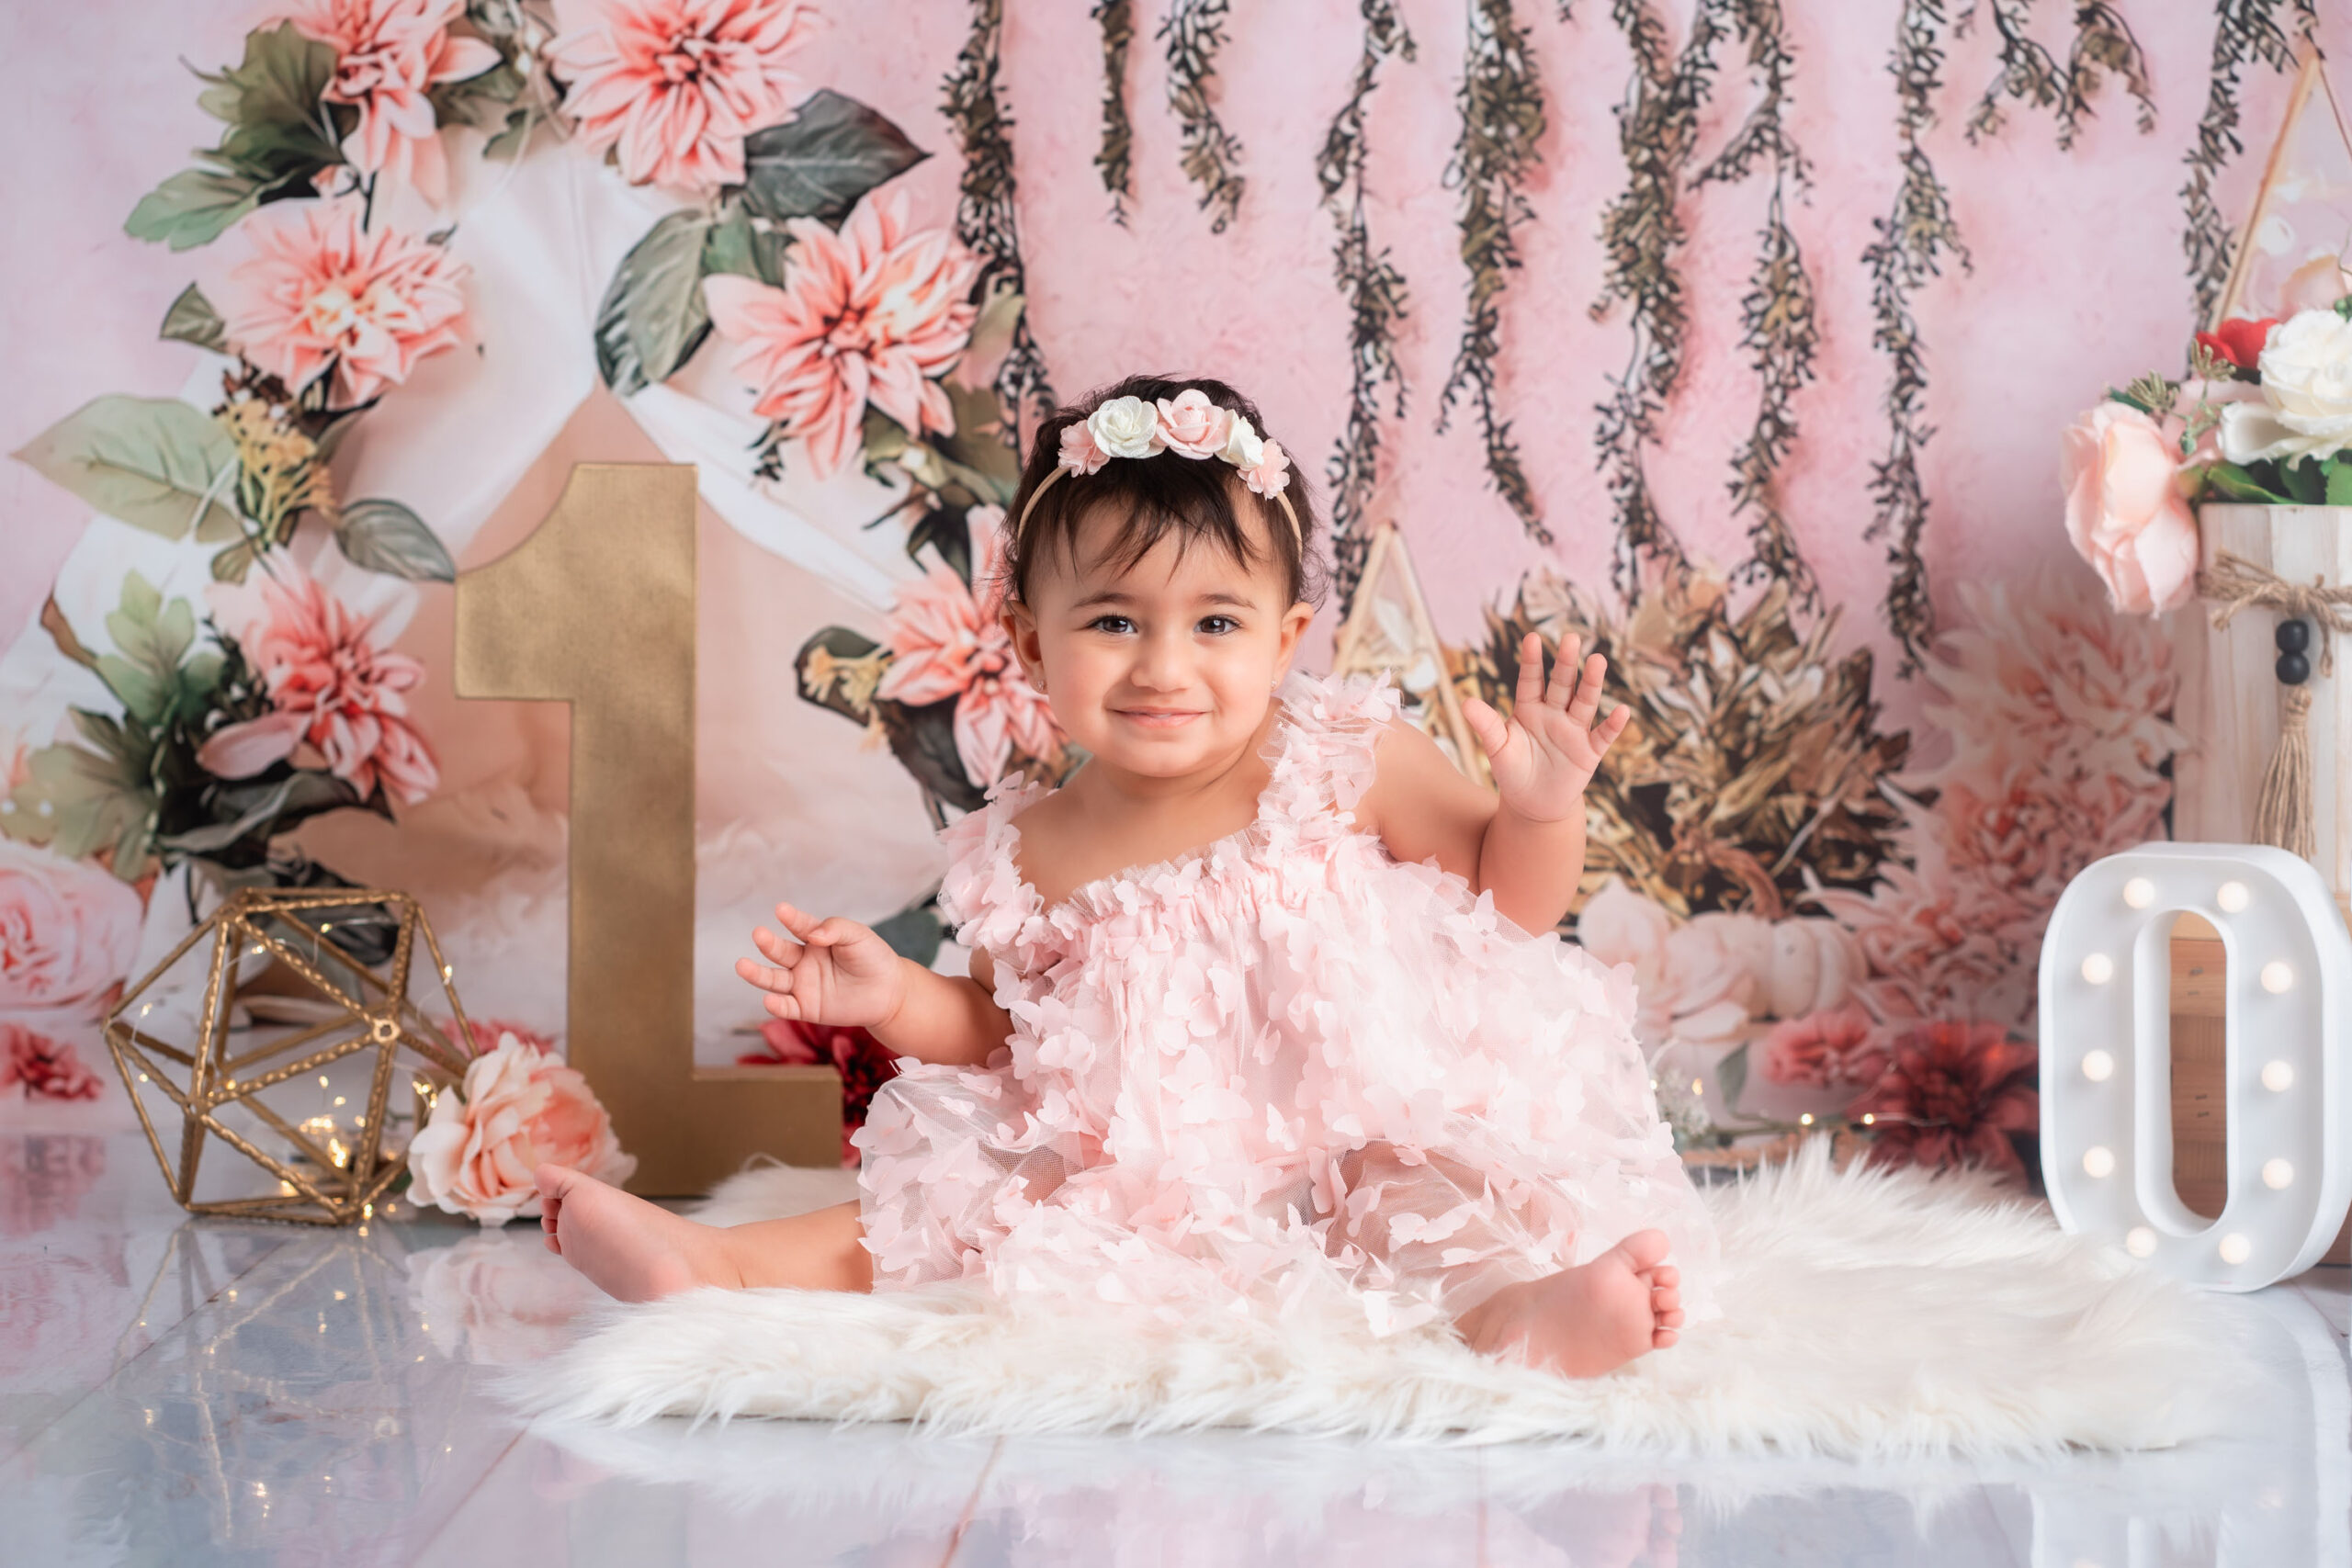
x=184, y=1394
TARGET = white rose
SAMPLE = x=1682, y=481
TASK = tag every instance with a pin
x=2306, y=408
x=1127, y=427
x=1244, y=447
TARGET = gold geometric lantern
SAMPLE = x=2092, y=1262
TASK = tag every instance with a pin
x=1388, y=629
x=274, y=1077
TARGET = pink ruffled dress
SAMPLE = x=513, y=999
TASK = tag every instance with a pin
x=1281, y=1063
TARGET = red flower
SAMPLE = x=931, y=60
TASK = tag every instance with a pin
x=47, y=1068
x=2239, y=340
x=862, y=1062
x=1951, y=1095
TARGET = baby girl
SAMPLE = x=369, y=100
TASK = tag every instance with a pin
x=1265, y=999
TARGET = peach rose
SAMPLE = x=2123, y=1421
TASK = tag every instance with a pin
x=2125, y=510
x=518, y=1110
x=43, y=1066
x=68, y=932
x=1081, y=453
x=1191, y=424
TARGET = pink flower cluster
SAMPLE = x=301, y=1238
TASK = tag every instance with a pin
x=945, y=642
x=388, y=54
x=673, y=86
x=872, y=314
x=321, y=294
x=334, y=681
x=1187, y=424
x=2056, y=713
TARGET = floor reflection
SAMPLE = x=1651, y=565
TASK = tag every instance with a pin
x=189, y=1393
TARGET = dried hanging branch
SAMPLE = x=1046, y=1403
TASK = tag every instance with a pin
x=1502, y=103
x=1640, y=230
x=1777, y=321
x=1375, y=294
x=1194, y=31
x=1117, y=20
x=2103, y=42
x=984, y=214
x=2246, y=30
x=2029, y=73
x=1912, y=241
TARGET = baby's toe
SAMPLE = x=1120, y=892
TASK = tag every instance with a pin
x=1663, y=1337
x=1672, y=1319
x=1666, y=1274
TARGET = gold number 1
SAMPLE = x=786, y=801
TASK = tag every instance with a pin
x=596, y=608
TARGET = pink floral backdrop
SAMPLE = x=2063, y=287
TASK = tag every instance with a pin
x=1760, y=386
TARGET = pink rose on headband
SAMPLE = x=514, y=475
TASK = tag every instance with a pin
x=1080, y=453
x=1271, y=472
x=1193, y=425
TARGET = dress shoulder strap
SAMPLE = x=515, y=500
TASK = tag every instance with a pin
x=1333, y=725
x=982, y=899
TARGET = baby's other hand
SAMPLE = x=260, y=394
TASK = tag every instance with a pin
x=826, y=970
x=1544, y=754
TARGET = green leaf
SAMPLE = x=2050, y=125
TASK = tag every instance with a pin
x=913, y=933
x=739, y=246
x=1731, y=1076
x=192, y=207
x=977, y=446
x=231, y=564
x=2339, y=479
x=263, y=809
x=947, y=530
x=513, y=140
x=80, y=800
x=2235, y=483
x=837, y=643
x=819, y=162
x=652, y=317
x=384, y=535
x=193, y=320
x=148, y=461
x=278, y=83
x=2304, y=482
x=923, y=740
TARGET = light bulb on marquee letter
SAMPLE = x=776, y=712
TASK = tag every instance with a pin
x=2105, y=1010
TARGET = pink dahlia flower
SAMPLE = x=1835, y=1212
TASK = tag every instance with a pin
x=321, y=293
x=868, y=315
x=1953, y=1093
x=675, y=85
x=334, y=682
x=387, y=54
x=1823, y=1049
x=946, y=643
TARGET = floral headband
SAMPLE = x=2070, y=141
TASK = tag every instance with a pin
x=1187, y=424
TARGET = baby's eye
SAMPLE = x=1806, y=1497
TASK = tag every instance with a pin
x=1218, y=626
x=1110, y=623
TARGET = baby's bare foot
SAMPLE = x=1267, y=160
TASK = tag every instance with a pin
x=1587, y=1320
x=627, y=1247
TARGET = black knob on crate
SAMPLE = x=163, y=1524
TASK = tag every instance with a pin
x=2293, y=668
x=2293, y=636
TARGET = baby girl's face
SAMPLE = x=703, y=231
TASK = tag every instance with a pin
x=1165, y=667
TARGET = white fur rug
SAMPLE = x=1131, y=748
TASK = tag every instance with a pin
x=1865, y=1314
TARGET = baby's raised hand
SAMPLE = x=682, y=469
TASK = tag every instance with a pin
x=828, y=971
x=1544, y=754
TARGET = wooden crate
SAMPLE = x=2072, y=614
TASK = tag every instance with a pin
x=2199, y=1094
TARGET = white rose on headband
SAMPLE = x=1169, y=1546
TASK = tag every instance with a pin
x=1127, y=427
x=1244, y=447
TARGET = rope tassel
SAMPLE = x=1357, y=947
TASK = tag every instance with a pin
x=2283, y=807
x=2282, y=810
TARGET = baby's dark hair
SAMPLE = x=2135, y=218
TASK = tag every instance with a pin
x=1193, y=497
